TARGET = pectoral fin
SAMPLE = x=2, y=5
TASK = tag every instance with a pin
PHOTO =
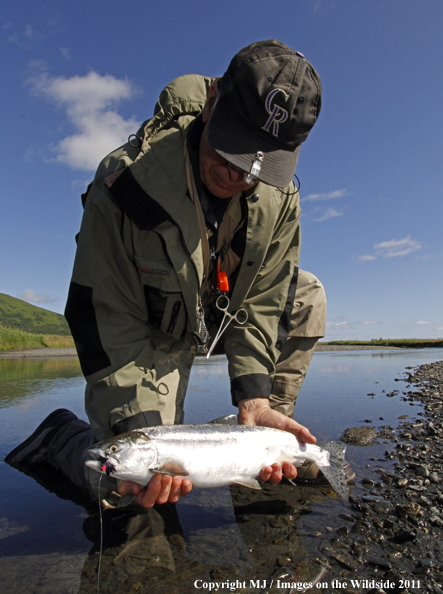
x=247, y=481
x=171, y=467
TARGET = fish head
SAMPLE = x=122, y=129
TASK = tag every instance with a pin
x=125, y=456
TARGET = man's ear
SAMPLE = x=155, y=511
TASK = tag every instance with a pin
x=210, y=102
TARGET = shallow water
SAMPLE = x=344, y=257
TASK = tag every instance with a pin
x=48, y=542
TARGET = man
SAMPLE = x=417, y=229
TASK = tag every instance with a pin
x=199, y=203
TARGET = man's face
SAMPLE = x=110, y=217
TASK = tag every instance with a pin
x=220, y=177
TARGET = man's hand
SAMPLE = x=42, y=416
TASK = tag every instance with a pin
x=257, y=412
x=161, y=489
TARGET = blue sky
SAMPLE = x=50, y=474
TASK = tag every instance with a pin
x=79, y=77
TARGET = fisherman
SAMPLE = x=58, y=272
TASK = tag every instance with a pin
x=199, y=204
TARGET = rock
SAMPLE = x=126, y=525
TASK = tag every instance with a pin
x=343, y=530
x=359, y=436
x=404, y=510
x=402, y=536
x=382, y=507
x=347, y=517
x=435, y=520
x=380, y=562
x=345, y=561
x=367, y=482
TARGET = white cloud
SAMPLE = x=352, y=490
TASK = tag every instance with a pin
x=326, y=196
x=398, y=247
x=393, y=248
x=423, y=323
x=26, y=38
x=88, y=102
x=330, y=213
x=32, y=297
x=338, y=325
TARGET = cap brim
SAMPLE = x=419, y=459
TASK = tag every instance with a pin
x=236, y=143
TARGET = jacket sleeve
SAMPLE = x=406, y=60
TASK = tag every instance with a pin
x=254, y=348
x=108, y=317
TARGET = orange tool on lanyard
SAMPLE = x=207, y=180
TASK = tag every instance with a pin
x=222, y=278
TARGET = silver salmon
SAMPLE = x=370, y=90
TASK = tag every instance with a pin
x=212, y=455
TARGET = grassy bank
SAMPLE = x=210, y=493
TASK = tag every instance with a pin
x=12, y=339
x=406, y=343
x=18, y=314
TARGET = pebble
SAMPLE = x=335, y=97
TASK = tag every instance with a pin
x=345, y=561
x=380, y=562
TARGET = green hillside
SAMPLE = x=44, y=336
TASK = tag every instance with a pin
x=15, y=313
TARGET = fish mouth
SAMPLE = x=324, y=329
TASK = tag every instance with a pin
x=100, y=463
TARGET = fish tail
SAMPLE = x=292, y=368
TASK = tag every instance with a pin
x=335, y=472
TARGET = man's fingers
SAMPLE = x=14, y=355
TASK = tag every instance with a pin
x=306, y=436
x=300, y=431
x=265, y=474
x=257, y=411
x=161, y=489
x=272, y=473
x=186, y=487
x=165, y=489
x=289, y=470
x=174, y=493
x=148, y=497
x=276, y=475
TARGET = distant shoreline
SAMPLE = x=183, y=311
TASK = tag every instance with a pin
x=44, y=352
x=71, y=352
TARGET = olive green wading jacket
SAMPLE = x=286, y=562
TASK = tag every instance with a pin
x=139, y=269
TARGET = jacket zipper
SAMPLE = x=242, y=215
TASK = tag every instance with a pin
x=201, y=336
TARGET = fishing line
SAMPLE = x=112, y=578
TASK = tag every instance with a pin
x=101, y=535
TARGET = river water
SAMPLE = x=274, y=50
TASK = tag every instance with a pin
x=50, y=532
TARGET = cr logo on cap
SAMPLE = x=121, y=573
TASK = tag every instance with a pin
x=278, y=115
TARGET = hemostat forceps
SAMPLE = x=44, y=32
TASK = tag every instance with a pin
x=240, y=316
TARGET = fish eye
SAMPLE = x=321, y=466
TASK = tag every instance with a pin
x=113, y=448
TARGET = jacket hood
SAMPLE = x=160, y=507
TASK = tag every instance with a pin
x=185, y=95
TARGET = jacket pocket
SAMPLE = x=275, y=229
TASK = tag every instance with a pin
x=164, y=299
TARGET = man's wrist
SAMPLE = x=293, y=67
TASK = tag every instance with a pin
x=251, y=404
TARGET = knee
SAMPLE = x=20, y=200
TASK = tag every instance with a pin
x=308, y=282
x=309, y=312
x=310, y=289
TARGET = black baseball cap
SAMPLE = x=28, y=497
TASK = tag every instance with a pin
x=269, y=99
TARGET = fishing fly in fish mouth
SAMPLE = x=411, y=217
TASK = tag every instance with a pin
x=212, y=455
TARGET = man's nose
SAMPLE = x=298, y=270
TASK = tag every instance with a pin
x=235, y=175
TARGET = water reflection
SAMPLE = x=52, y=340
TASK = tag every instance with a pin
x=31, y=388
x=23, y=378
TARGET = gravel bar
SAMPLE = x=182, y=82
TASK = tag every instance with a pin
x=394, y=532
